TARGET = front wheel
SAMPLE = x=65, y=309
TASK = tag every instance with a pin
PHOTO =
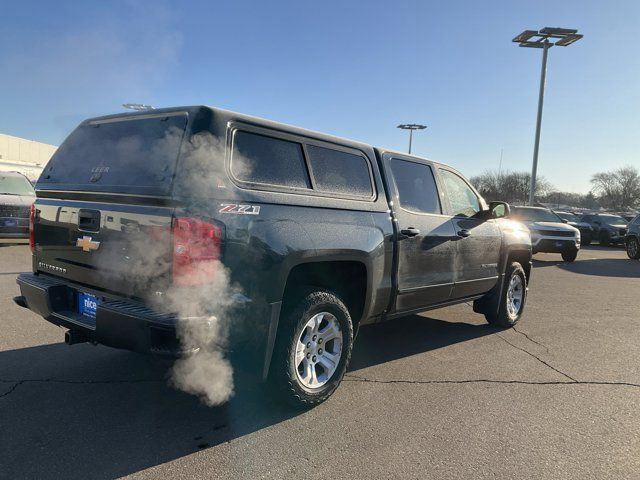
x=570, y=255
x=633, y=248
x=512, y=298
x=313, y=349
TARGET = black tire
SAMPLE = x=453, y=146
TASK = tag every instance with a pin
x=570, y=255
x=284, y=376
x=605, y=239
x=633, y=248
x=496, y=310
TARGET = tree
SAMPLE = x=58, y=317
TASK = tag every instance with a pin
x=618, y=189
x=512, y=187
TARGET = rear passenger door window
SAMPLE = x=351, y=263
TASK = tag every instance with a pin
x=260, y=159
x=462, y=200
x=417, y=191
x=339, y=172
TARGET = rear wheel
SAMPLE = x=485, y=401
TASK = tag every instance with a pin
x=633, y=248
x=506, y=310
x=313, y=349
x=570, y=255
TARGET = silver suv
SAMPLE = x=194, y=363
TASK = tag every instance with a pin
x=549, y=232
x=16, y=197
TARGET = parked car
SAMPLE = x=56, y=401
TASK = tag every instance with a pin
x=586, y=232
x=607, y=229
x=319, y=234
x=549, y=233
x=632, y=239
x=16, y=196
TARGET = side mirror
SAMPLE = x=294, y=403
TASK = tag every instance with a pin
x=499, y=209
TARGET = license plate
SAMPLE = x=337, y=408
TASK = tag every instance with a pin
x=87, y=304
x=10, y=222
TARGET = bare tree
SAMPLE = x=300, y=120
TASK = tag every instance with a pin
x=618, y=189
x=512, y=187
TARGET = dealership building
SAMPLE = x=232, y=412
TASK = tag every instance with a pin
x=25, y=156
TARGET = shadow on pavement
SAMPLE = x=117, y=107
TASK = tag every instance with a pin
x=600, y=267
x=95, y=412
x=605, y=267
x=408, y=336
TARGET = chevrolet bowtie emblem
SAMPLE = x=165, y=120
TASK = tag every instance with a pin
x=87, y=244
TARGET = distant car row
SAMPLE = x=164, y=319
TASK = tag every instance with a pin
x=565, y=232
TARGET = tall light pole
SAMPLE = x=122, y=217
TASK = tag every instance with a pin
x=411, y=127
x=545, y=39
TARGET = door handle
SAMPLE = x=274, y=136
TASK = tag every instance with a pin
x=410, y=232
x=464, y=233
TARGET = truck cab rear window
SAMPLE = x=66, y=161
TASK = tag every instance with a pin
x=340, y=172
x=125, y=155
x=416, y=186
x=266, y=160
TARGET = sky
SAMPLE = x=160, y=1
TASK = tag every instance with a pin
x=355, y=69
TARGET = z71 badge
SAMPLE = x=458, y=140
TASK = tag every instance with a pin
x=239, y=209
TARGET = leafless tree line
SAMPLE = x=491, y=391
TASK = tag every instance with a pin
x=615, y=190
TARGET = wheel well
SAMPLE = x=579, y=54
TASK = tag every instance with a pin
x=348, y=279
x=523, y=257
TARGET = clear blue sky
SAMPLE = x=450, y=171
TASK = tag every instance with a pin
x=350, y=68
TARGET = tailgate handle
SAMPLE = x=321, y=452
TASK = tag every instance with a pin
x=89, y=220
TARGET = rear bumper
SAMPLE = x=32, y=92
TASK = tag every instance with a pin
x=119, y=323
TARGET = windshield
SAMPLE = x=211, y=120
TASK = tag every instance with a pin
x=15, y=185
x=534, y=215
x=613, y=220
x=570, y=217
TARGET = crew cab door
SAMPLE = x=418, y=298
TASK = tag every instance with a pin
x=479, y=239
x=424, y=235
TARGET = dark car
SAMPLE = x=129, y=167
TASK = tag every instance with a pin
x=632, y=239
x=607, y=229
x=549, y=233
x=586, y=232
x=16, y=196
x=151, y=227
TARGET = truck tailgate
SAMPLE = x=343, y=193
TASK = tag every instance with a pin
x=124, y=249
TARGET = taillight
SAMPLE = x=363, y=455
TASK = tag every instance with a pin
x=32, y=234
x=196, y=250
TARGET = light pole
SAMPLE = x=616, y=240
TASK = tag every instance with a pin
x=545, y=39
x=411, y=127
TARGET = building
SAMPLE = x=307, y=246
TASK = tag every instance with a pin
x=25, y=156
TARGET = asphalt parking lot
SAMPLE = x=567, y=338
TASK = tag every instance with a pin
x=440, y=395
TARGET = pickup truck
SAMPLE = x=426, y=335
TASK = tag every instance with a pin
x=295, y=238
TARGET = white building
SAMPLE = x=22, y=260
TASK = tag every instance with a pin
x=25, y=156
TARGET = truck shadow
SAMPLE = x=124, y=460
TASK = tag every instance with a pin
x=94, y=412
x=384, y=342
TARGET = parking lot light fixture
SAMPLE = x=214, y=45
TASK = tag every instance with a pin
x=544, y=38
x=137, y=106
x=411, y=127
